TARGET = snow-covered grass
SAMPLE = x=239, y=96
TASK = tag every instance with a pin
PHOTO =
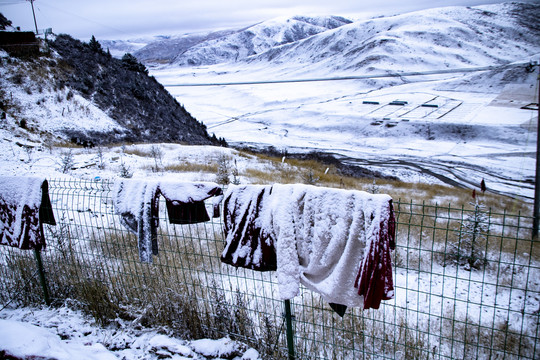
x=65, y=333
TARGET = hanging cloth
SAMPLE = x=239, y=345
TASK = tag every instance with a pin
x=332, y=241
x=137, y=203
x=24, y=207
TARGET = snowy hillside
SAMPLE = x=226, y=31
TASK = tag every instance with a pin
x=118, y=48
x=234, y=45
x=454, y=128
x=440, y=38
x=75, y=91
x=165, y=50
x=256, y=39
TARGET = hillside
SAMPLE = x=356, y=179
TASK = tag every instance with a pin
x=233, y=45
x=438, y=38
x=77, y=92
x=450, y=37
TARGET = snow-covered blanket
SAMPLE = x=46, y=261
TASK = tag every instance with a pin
x=249, y=243
x=335, y=242
x=24, y=207
x=137, y=203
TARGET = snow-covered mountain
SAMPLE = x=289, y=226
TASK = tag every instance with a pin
x=237, y=44
x=450, y=37
x=437, y=38
x=257, y=39
x=118, y=48
x=165, y=49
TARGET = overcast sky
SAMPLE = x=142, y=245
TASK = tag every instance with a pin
x=121, y=19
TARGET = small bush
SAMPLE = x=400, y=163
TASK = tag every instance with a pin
x=157, y=154
x=125, y=171
x=67, y=161
x=223, y=170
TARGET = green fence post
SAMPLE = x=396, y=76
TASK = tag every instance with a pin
x=290, y=336
x=42, y=277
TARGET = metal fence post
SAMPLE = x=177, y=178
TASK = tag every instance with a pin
x=536, y=209
x=42, y=278
x=290, y=336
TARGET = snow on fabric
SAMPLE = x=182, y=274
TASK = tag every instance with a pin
x=335, y=242
x=26, y=341
x=249, y=244
x=185, y=201
x=137, y=202
x=24, y=207
x=374, y=280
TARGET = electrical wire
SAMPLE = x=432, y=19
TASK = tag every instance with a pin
x=353, y=77
x=81, y=17
x=12, y=2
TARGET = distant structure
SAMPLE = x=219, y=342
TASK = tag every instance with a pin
x=19, y=43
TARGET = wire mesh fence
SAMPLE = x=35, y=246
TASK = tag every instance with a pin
x=467, y=284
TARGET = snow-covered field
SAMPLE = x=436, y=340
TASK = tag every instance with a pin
x=469, y=135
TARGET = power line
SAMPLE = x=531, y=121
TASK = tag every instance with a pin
x=354, y=77
x=81, y=17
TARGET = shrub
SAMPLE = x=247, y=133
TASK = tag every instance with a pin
x=66, y=161
x=130, y=62
x=222, y=176
x=125, y=171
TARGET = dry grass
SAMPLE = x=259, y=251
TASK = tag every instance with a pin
x=293, y=169
x=138, y=152
x=64, y=144
x=192, y=167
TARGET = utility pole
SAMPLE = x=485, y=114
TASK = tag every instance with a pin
x=34, y=13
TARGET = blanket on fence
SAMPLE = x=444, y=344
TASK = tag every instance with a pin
x=137, y=203
x=335, y=242
x=250, y=243
x=24, y=207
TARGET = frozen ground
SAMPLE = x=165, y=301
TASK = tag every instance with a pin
x=66, y=334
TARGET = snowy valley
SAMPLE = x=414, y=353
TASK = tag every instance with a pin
x=453, y=128
x=414, y=110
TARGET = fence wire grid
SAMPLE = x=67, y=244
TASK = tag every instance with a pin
x=467, y=284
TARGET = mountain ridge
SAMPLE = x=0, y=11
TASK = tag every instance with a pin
x=438, y=38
